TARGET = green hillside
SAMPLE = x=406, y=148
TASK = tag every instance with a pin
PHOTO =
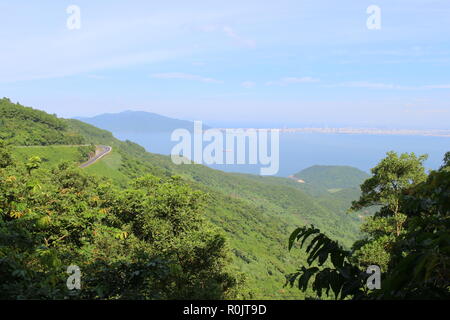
x=257, y=214
x=332, y=177
x=54, y=154
x=25, y=126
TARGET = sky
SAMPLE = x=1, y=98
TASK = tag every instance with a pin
x=283, y=62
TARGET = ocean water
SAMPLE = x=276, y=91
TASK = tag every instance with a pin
x=301, y=150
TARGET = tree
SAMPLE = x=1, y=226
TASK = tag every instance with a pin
x=418, y=256
x=446, y=161
x=5, y=155
x=383, y=189
x=148, y=241
x=330, y=267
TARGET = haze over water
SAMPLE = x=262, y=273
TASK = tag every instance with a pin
x=301, y=150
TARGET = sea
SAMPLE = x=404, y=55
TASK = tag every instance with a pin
x=298, y=151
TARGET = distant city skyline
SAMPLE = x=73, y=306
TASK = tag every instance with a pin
x=282, y=62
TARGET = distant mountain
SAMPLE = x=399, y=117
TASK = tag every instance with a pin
x=136, y=122
x=332, y=177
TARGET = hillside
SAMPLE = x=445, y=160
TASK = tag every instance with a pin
x=256, y=214
x=50, y=155
x=21, y=125
x=136, y=122
x=332, y=177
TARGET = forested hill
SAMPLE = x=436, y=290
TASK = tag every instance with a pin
x=332, y=177
x=25, y=126
x=255, y=214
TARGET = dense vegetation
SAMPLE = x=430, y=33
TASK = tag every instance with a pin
x=408, y=237
x=241, y=220
x=254, y=219
x=256, y=213
x=25, y=126
x=148, y=241
x=332, y=177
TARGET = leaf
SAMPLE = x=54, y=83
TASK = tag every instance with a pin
x=293, y=236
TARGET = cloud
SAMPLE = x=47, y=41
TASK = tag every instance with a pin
x=290, y=80
x=248, y=84
x=380, y=85
x=438, y=86
x=229, y=32
x=96, y=77
x=369, y=85
x=184, y=76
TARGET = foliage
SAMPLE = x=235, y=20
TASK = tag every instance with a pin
x=148, y=241
x=253, y=213
x=384, y=189
x=415, y=260
x=86, y=152
x=332, y=177
x=342, y=278
x=21, y=125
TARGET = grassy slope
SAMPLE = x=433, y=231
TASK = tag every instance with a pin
x=108, y=167
x=50, y=155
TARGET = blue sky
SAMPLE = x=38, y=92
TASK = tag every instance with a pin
x=284, y=62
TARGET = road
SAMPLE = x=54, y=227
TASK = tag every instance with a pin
x=100, y=152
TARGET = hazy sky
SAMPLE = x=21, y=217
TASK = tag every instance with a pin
x=304, y=62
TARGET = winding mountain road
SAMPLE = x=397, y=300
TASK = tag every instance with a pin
x=100, y=152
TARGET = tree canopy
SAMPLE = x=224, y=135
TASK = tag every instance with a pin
x=413, y=251
x=148, y=241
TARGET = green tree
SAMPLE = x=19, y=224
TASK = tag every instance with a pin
x=383, y=189
x=418, y=256
x=148, y=241
x=5, y=155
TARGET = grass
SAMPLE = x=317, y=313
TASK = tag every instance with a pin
x=50, y=155
x=108, y=166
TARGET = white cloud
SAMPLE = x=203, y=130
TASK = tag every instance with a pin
x=380, y=85
x=96, y=77
x=184, y=76
x=438, y=86
x=369, y=85
x=230, y=33
x=248, y=84
x=233, y=35
x=290, y=80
